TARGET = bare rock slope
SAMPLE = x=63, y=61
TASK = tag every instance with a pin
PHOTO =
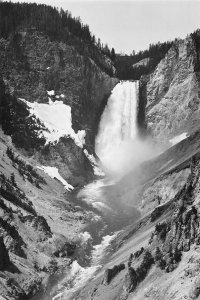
x=158, y=257
x=172, y=92
x=39, y=222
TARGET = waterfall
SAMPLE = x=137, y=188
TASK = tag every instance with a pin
x=118, y=125
x=117, y=145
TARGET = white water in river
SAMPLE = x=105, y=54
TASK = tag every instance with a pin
x=117, y=144
x=77, y=276
x=116, y=138
x=118, y=125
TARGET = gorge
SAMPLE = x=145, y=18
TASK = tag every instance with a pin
x=99, y=163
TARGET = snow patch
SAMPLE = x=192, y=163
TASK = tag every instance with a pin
x=50, y=101
x=51, y=93
x=53, y=173
x=85, y=237
x=56, y=117
x=177, y=139
x=97, y=170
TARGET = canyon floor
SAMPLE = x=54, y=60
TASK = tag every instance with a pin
x=158, y=256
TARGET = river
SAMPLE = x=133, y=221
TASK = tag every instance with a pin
x=115, y=146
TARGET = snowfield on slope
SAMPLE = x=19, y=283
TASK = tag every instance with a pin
x=56, y=117
x=51, y=93
x=53, y=173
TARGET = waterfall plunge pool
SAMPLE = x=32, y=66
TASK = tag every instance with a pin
x=115, y=143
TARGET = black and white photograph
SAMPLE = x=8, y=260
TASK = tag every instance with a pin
x=100, y=150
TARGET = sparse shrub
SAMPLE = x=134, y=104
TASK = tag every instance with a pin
x=161, y=229
x=2, y=178
x=158, y=255
x=25, y=170
x=37, y=184
x=195, y=290
x=145, y=266
x=131, y=280
x=35, y=266
x=16, y=196
x=130, y=259
x=157, y=212
x=177, y=255
x=12, y=179
x=10, y=153
x=139, y=252
x=109, y=274
x=16, y=241
x=151, y=238
x=158, y=258
x=52, y=266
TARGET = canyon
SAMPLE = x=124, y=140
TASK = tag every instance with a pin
x=99, y=177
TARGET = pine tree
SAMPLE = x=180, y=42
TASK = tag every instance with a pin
x=113, y=55
x=12, y=179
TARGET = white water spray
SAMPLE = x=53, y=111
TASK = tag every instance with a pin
x=118, y=126
x=120, y=150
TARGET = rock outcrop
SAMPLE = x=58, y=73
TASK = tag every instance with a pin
x=40, y=66
x=172, y=92
x=111, y=273
x=37, y=224
x=46, y=65
x=171, y=237
x=172, y=247
x=38, y=220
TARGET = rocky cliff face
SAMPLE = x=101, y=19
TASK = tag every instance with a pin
x=32, y=65
x=39, y=223
x=40, y=220
x=164, y=252
x=172, y=92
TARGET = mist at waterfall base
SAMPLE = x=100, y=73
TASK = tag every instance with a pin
x=118, y=145
x=113, y=198
x=125, y=157
x=121, y=152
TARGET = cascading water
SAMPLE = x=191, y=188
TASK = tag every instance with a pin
x=116, y=137
x=118, y=125
x=116, y=144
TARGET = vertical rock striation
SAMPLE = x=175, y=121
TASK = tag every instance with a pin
x=172, y=92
